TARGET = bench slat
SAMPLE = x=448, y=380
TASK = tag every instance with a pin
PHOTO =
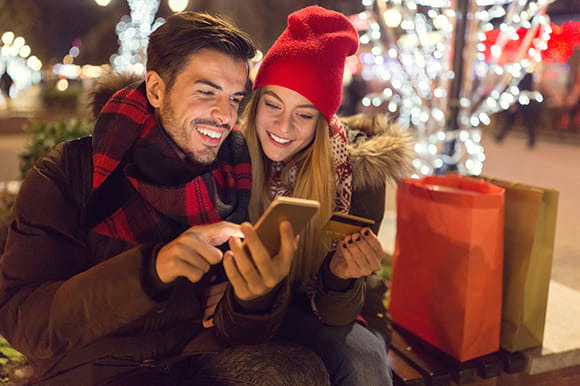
x=489, y=366
x=436, y=373
x=403, y=373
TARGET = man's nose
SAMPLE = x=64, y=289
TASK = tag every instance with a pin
x=224, y=111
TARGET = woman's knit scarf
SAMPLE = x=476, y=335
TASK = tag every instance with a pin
x=154, y=211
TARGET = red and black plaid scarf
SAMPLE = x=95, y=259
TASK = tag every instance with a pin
x=151, y=211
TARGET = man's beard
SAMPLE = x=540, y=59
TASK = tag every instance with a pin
x=179, y=135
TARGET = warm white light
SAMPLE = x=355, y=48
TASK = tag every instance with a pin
x=62, y=85
x=138, y=68
x=34, y=63
x=14, y=50
x=434, y=3
x=102, y=3
x=258, y=57
x=7, y=37
x=25, y=51
x=19, y=42
x=177, y=5
x=70, y=71
x=392, y=18
x=88, y=71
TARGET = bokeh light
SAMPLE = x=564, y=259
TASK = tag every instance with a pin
x=409, y=53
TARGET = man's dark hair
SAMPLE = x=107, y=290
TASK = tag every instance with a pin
x=185, y=33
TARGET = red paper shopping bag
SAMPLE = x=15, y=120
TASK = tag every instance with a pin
x=446, y=284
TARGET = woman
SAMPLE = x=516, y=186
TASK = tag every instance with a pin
x=300, y=148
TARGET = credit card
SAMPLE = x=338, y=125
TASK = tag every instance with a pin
x=341, y=224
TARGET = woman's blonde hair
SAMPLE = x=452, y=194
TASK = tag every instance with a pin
x=315, y=180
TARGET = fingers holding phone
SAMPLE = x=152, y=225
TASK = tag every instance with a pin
x=357, y=255
x=251, y=269
x=193, y=252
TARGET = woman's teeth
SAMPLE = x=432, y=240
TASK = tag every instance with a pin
x=278, y=139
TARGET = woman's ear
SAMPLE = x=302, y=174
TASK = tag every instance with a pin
x=155, y=88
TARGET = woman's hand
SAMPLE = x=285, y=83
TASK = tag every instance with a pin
x=357, y=255
x=193, y=252
x=257, y=274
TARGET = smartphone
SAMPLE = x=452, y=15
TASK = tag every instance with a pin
x=298, y=211
x=342, y=224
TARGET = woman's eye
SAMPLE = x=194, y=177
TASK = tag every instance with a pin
x=272, y=105
x=306, y=116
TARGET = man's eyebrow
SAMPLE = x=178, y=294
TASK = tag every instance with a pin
x=208, y=83
x=217, y=87
x=274, y=95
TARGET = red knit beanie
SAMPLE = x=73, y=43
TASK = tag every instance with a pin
x=309, y=57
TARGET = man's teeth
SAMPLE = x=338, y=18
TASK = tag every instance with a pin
x=209, y=133
x=278, y=139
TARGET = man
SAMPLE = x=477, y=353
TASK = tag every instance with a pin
x=113, y=252
x=6, y=83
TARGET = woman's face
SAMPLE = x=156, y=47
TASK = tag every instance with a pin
x=285, y=122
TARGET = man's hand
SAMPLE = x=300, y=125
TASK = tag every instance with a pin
x=193, y=252
x=256, y=275
x=357, y=255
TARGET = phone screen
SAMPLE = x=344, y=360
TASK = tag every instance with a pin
x=297, y=211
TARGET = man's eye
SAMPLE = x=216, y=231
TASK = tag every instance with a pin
x=237, y=100
x=205, y=92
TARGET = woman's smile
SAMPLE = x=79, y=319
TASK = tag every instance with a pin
x=279, y=140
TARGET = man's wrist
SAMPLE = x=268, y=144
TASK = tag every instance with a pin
x=155, y=288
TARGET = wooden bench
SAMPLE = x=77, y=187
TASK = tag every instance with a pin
x=417, y=363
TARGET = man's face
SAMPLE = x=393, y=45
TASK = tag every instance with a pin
x=201, y=107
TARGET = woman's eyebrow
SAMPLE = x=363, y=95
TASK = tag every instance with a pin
x=274, y=95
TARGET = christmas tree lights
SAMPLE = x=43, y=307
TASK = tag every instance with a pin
x=16, y=59
x=133, y=32
x=440, y=76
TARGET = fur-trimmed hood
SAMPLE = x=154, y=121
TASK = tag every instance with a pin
x=379, y=149
x=106, y=86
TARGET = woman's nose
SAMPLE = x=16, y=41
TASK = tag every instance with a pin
x=284, y=122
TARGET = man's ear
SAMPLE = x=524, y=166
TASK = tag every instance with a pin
x=155, y=87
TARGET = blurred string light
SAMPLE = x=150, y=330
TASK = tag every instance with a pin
x=409, y=46
x=16, y=59
x=68, y=70
x=133, y=31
